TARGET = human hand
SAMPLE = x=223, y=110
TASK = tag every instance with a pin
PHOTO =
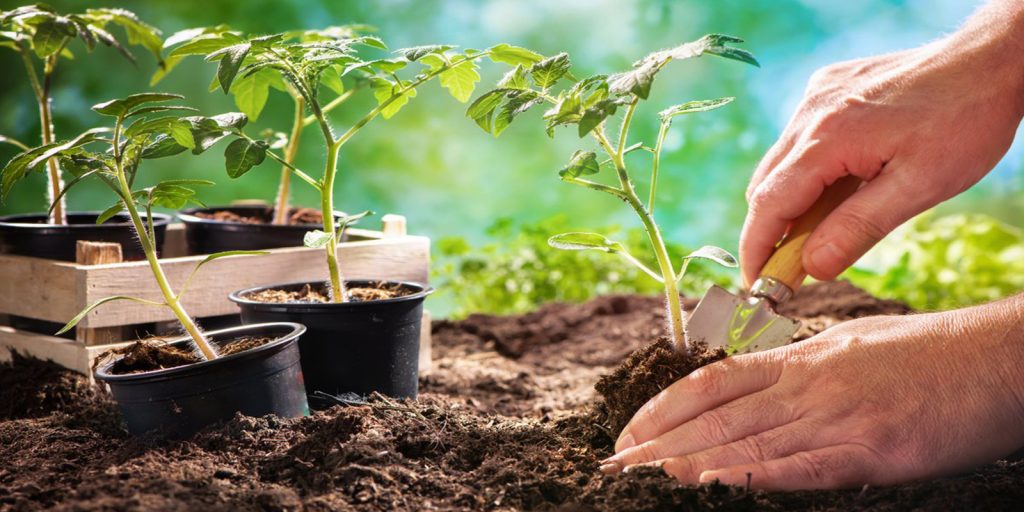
x=920, y=126
x=878, y=400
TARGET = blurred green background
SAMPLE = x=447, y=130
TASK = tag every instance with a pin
x=449, y=178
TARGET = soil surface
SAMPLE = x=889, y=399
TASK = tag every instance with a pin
x=320, y=295
x=504, y=422
x=148, y=355
x=296, y=216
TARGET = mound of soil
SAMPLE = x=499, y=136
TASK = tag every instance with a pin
x=148, y=355
x=504, y=423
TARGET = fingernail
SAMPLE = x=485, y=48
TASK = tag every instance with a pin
x=610, y=468
x=709, y=476
x=825, y=256
x=625, y=442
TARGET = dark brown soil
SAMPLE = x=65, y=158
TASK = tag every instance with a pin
x=150, y=355
x=296, y=216
x=320, y=294
x=490, y=432
x=646, y=372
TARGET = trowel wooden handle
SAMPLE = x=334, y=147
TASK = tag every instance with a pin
x=786, y=264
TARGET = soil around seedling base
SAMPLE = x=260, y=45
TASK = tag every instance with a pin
x=319, y=294
x=504, y=423
x=150, y=355
x=644, y=374
x=296, y=217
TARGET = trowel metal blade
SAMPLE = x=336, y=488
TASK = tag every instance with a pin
x=722, y=319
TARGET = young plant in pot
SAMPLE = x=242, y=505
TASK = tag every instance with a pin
x=249, y=227
x=363, y=336
x=43, y=39
x=589, y=105
x=179, y=386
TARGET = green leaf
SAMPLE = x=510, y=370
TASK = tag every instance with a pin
x=460, y=80
x=181, y=132
x=60, y=147
x=415, y=53
x=51, y=35
x=251, y=93
x=317, y=239
x=109, y=213
x=583, y=242
x=18, y=167
x=332, y=80
x=595, y=115
x=230, y=60
x=120, y=107
x=636, y=81
x=159, y=108
x=482, y=110
x=384, y=90
x=548, y=71
x=514, y=55
x=347, y=220
x=227, y=254
x=78, y=318
x=693, y=106
x=716, y=254
x=582, y=163
x=207, y=131
x=139, y=33
x=207, y=44
x=242, y=155
x=514, y=79
x=518, y=102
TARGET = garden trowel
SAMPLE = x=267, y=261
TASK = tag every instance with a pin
x=751, y=324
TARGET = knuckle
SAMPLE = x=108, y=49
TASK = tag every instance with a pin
x=862, y=225
x=711, y=427
x=644, y=452
x=753, y=448
x=681, y=468
x=708, y=380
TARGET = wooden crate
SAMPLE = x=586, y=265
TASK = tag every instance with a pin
x=56, y=291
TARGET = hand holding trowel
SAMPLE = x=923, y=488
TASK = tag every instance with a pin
x=722, y=319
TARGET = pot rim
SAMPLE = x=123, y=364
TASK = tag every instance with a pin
x=188, y=216
x=424, y=290
x=102, y=372
x=160, y=218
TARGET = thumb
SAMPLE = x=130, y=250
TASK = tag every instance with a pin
x=857, y=224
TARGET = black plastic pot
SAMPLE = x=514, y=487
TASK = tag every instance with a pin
x=30, y=235
x=207, y=236
x=177, y=402
x=356, y=347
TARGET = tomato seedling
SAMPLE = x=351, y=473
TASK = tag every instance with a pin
x=588, y=104
x=38, y=33
x=114, y=156
x=303, y=61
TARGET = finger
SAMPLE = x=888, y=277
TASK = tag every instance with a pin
x=857, y=224
x=767, y=445
x=841, y=466
x=783, y=196
x=738, y=419
x=777, y=153
x=702, y=390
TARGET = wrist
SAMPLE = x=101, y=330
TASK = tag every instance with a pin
x=990, y=46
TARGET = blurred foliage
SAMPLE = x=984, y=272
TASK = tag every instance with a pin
x=517, y=270
x=946, y=262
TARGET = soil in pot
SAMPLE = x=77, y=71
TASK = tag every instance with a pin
x=495, y=429
x=369, y=344
x=245, y=227
x=263, y=215
x=149, y=355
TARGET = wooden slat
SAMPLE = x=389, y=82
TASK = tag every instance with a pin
x=98, y=253
x=401, y=258
x=38, y=288
x=69, y=354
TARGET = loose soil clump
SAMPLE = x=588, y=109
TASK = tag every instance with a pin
x=296, y=216
x=644, y=374
x=309, y=294
x=490, y=432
